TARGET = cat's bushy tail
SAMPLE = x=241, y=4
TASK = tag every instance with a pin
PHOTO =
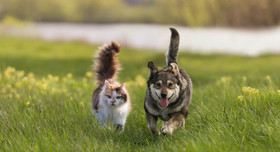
x=106, y=64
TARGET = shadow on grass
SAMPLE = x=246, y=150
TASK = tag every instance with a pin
x=135, y=136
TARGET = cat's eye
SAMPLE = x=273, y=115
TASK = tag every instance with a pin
x=108, y=96
x=118, y=97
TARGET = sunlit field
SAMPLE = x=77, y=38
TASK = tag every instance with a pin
x=45, y=100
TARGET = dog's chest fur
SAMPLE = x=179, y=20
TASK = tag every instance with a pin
x=163, y=113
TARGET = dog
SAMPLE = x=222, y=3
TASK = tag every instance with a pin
x=169, y=92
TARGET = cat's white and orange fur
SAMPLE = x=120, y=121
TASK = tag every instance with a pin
x=110, y=101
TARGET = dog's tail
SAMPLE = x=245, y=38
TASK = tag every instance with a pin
x=106, y=64
x=172, y=53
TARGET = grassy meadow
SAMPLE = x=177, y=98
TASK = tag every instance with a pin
x=45, y=100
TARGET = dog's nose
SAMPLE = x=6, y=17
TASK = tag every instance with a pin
x=163, y=95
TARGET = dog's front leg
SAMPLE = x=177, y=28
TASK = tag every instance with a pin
x=152, y=124
x=169, y=126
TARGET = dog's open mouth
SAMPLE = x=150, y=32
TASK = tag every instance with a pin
x=164, y=101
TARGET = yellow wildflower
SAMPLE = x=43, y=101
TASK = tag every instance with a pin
x=82, y=104
x=44, y=80
x=20, y=74
x=50, y=77
x=27, y=103
x=24, y=79
x=53, y=90
x=240, y=98
x=129, y=83
x=64, y=79
x=268, y=79
x=224, y=80
x=56, y=78
x=140, y=80
x=8, y=86
x=18, y=84
x=89, y=74
x=44, y=86
x=256, y=92
x=69, y=75
x=29, y=88
x=10, y=95
x=13, y=90
x=30, y=75
x=251, y=91
x=9, y=71
x=17, y=96
x=246, y=89
x=4, y=90
x=244, y=79
x=85, y=80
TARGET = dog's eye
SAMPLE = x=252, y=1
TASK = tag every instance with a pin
x=108, y=96
x=158, y=84
x=170, y=84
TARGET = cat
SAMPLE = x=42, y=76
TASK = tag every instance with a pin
x=110, y=101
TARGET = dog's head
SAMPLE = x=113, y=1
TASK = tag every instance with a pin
x=164, y=84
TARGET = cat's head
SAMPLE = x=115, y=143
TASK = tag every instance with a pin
x=115, y=94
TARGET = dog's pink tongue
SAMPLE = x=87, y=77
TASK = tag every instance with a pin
x=163, y=102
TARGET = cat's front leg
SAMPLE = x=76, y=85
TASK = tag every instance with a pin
x=101, y=117
x=119, y=128
x=120, y=122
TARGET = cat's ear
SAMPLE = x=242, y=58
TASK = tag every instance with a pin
x=123, y=86
x=107, y=84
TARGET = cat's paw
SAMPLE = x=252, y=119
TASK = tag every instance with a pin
x=119, y=128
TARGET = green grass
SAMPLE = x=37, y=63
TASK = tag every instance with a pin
x=52, y=111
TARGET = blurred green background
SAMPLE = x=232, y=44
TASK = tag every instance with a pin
x=193, y=13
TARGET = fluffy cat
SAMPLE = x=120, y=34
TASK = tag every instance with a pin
x=110, y=101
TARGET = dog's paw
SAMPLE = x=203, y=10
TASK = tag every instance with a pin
x=155, y=132
x=165, y=130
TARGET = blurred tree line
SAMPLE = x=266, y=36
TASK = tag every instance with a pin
x=195, y=13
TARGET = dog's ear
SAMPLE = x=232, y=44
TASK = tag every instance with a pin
x=175, y=70
x=153, y=68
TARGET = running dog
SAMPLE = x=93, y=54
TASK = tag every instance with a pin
x=169, y=92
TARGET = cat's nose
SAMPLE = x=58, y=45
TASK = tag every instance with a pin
x=113, y=101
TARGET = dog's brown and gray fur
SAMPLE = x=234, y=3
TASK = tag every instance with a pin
x=169, y=92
